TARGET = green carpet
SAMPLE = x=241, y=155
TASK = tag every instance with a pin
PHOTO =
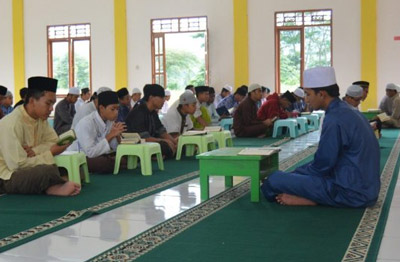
x=246, y=231
x=25, y=212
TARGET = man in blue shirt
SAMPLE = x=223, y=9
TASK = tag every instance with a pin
x=6, y=104
x=124, y=104
x=345, y=169
x=231, y=101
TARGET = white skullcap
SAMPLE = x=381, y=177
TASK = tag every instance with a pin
x=392, y=86
x=187, y=97
x=253, y=87
x=354, y=91
x=167, y=93
x=103, y=89
x=319, y=77
x=74, y=91
x=136, y=90
x=8, y=94
x=228, y=87
x=299, y=92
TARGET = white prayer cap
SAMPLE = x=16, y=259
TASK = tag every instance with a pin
x=167, y=93
x=299, y=92
x=103, y=89
x=392, y=86
x=253, y=87
x=8, y=94
x=74, y=91
x=319, y=77
x=187, y=97
x=228, y=87
x=354, y=91
x=136, y=90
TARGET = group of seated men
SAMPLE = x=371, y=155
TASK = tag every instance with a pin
x=344, y=172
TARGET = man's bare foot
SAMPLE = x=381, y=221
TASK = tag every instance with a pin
x=292, y=200
x=67, y=189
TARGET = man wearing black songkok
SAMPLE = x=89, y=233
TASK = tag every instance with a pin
x=143, y=119
x=124, y=104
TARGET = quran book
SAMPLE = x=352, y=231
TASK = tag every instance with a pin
x=194, y=133
x=130, y=138
x=66, y=138
x=374, y=110
x=383, y=117
x=213, y=128
x=259, y=151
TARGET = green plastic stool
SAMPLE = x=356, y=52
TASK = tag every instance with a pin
x=203, y=143
x=302, y=124
x=314, y=121
x=291, y=125
x=72, y=161
x=143, y=152
x=223, y=138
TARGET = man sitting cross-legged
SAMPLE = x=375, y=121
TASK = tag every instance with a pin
x=28, y=144
x=345, y=169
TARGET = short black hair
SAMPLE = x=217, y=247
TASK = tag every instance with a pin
x=33, y=93
x=241, y=91
x=22, y=92
x=189, y=87
x=333, y=90
x=211, y=90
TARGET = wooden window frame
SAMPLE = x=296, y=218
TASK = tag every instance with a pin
x=278, y=29
x=179, y=30
x=71, y=54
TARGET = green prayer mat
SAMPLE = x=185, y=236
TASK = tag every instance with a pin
x=27, y=217
x=247, y=231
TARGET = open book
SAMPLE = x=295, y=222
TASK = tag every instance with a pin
x=66, y=138
x=130, y=138
x=213, y=128
x=383, y=117
x=194, y=132
x=374, y=110
x=259, y=151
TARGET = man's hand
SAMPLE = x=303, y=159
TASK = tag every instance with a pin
x=170, y=144
x=29, y=151
x=116, y=130
x=56, y=149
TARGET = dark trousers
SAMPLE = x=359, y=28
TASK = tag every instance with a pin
x=104, y=163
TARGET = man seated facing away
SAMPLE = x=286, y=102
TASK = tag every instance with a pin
x=85, y=96
x=211, y=106
x=136, y=95
x=392, y=92
x=28, y=144
x=298, y=106
x=345, y=169
x=353, y=96
x=231, y=102
x=90, y=107
x=201, y=118
x=245, y=122
x=177, y=120
x=276, y=107
x=6, y=104
x=3, y=92
x=65, y=111
x=386, y=104
x=22, y=94
x=143, y=119
x=225, y=91
x=98, y=134
x=124, y=104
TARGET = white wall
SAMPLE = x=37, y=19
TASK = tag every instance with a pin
x=388, y=50
x=220, y=29
x=6, y=46
x=99, y=13
x=346, y=37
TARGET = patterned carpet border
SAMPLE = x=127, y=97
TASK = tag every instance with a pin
x=362, y=238
x=145, y=242
x=74, y=215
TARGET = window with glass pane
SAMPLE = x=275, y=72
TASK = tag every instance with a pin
x=304, y=41
x=69, y=56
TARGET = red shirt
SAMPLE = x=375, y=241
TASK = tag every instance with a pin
x=271, y=108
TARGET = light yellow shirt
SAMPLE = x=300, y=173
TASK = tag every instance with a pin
x=17, y=130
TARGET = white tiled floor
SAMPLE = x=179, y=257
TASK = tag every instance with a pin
x=90, y=237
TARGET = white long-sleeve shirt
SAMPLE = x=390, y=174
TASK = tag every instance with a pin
x=91, y=134
x=84, y=110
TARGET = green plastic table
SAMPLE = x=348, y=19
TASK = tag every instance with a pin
x=226, y=162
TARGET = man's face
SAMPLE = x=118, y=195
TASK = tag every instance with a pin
x=126, y=100
x=72, y=98
x=189, y=108
x=44, y=105
x=110, y=112
x=354, y=101
x=167, y=98
x=157, y=101
x=225, y=93
x=285, y=103
x=365, y=93
x=391, y=93
x=314, y=99
x=203, y=97
x=238, y=98
x=136, y=97
x=7, y=101
x=211, y=98
x=256, y=94
x=86, y=96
